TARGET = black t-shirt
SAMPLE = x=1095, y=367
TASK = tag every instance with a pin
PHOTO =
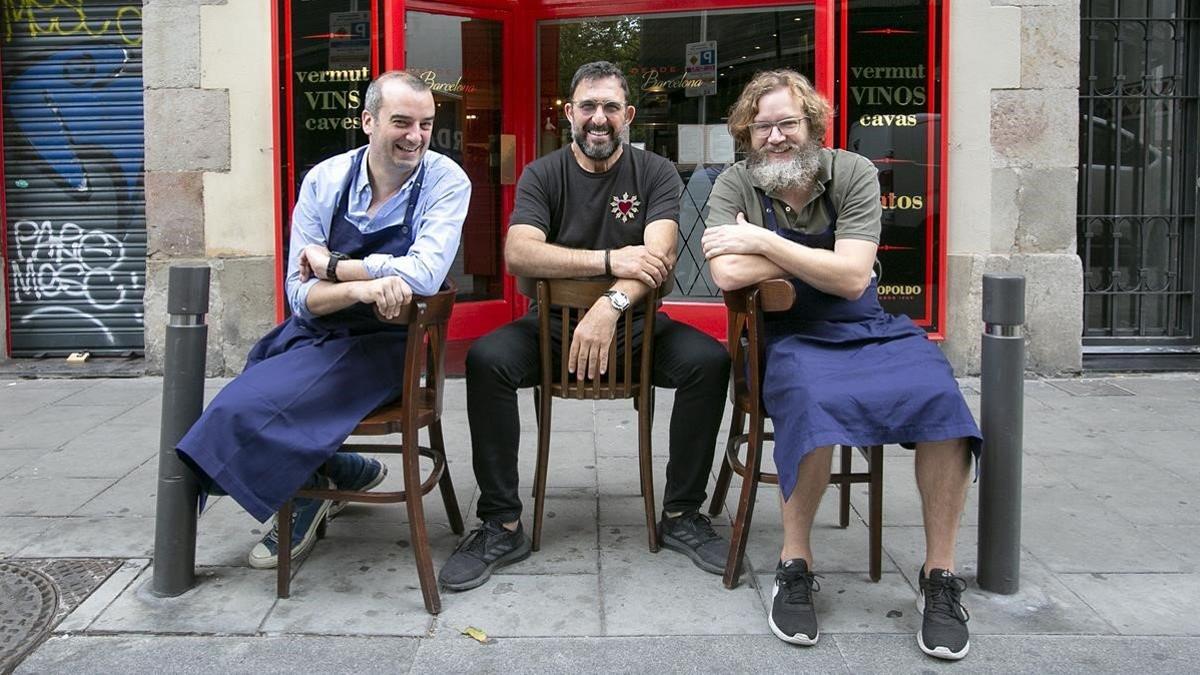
x=583, y=210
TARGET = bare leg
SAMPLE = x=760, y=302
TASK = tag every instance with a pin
x=800, y=508
x=943, y=474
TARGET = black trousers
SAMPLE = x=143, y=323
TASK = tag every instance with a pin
x=507, y=359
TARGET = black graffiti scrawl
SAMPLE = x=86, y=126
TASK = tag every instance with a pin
x=73, y=175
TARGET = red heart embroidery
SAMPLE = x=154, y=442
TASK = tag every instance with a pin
x=624, y=206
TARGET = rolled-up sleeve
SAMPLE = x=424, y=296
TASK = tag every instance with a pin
x=438, y=233
x=308, y=227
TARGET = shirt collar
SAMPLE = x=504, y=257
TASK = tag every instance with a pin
x=824, y=175
x=362, y=182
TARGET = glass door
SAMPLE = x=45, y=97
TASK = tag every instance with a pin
x=685, y=69
x=459, y=52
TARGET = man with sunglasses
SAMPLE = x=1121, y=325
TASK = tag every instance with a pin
x=595, y=207
x=841, y=371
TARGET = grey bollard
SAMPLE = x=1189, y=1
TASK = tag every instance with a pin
x=1002, y=387
x=183, y=400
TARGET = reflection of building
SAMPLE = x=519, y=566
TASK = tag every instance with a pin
x=1011, y=178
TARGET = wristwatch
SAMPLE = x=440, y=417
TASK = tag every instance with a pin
x=618, y=300
x=331, y=266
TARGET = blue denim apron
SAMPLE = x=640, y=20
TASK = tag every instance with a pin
x=306, y=384
x=847, y=372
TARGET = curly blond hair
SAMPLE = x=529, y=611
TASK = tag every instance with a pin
x=742, y=114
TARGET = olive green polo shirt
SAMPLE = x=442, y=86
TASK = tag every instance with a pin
x=852, y=178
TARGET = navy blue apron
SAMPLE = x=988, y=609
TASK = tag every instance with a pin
x=847, y=372
x=306, y=384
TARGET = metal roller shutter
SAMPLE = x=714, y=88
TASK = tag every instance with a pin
x=75, y=217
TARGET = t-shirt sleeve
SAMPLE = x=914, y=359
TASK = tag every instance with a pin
x=532, y=205
x=725, y=201
x=860, y=212
x=662, y=202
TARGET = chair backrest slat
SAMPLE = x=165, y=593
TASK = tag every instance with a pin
x=568, y=300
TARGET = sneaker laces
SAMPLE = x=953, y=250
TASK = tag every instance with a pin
x=799, y=586
x=477, y=540
x=703, y=526
x=943, y=597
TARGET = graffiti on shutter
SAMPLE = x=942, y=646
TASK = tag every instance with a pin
x=75, y=229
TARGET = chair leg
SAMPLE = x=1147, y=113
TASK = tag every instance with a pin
x=537, y=417
x=876, y=500
x=539, y=474
x=283, y=568
x=721, y=490
x=416, y=523
x=844, y=488
x=645, y=418
x=438, y=443
x=745, y=512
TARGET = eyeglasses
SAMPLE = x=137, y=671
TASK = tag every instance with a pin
x=588, y=107
x=786, y=127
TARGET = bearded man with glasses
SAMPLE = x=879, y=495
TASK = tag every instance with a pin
x=840, y=370
x=595, y=207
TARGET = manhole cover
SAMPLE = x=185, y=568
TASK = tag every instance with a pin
x=36, y=593
x=28, y=603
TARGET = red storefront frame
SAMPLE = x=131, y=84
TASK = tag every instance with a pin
x=520, y=118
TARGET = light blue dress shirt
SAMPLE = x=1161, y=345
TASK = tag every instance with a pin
x=441, y=209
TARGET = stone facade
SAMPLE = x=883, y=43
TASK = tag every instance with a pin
x=1027, y=224
x=1012, y=170
x=192, y=138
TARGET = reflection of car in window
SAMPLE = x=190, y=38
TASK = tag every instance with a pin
x=897, y=143
x=1123, y=173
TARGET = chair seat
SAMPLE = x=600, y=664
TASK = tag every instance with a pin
x=386, y=420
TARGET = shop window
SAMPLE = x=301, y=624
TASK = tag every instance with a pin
x=684, y=73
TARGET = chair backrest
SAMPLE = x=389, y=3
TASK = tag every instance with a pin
x=746, y=334
x=569, y=300
x=427, y=318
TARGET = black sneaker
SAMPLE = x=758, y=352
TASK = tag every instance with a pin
x=943, y=631
x=793, y=617
x=487, y=547
x=692, y=534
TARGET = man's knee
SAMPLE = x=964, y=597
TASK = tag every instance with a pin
x=500, y=355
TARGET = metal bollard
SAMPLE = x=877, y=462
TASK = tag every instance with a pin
x=1002, y=387
x=183, y=400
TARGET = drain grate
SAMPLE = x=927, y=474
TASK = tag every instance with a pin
x=35, y=594
x=1089, y=388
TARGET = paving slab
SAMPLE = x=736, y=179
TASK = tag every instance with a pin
x=675, y=654
x=1070, y=531
x=1024, y=654
x=155, y=654
x=852, y=603
x=105, y=452
x=133, y=495
x=121, y=393
x=1042, y=605
x=102, y=597
x=524, y=605
x=356, y=586
x=94, y=536
x=51, y=426
x=226, y=600
x=569, y=535
x=12, y=459
x=47, y=496
x=665, y=594
x=17, y=532
x=1142, y=604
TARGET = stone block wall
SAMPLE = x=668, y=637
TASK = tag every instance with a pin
x=192, y=137
x=1026, y=221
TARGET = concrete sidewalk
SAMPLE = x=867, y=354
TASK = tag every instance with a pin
x=1110, y=579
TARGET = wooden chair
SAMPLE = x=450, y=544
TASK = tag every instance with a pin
x=627, y=377
x=419, y=406
x=747, y=349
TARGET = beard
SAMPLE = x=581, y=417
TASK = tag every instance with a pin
x=775, y=175
x=601, y=151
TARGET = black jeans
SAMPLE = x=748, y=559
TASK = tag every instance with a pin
x=507, y=359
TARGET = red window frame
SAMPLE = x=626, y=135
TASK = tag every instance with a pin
x=519, y=112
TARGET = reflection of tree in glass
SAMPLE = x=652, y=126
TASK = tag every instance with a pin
x=618, y=40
